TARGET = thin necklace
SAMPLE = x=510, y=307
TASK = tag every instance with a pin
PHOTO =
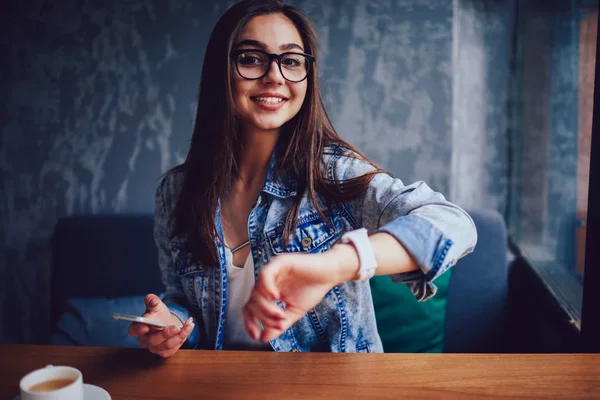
x=246, y=243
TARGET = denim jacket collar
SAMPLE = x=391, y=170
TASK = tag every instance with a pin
x=278, y=186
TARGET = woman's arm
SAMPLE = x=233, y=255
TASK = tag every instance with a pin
x=433, y=231
x=174, y=297
x=390, y=255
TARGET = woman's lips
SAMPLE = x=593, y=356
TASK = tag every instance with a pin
x=268, y=103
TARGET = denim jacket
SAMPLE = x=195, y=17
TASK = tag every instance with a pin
x=434, y=231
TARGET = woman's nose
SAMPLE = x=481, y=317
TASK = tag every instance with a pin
x=274, y=74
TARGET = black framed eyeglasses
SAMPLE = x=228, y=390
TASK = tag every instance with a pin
x=255, y=64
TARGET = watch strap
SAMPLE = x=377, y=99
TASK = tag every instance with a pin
x=359, y=238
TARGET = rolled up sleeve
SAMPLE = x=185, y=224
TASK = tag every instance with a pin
x=434, y=231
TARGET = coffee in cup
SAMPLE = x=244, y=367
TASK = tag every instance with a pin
x=52, y=383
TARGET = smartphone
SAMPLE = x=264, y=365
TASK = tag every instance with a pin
x=140, y=320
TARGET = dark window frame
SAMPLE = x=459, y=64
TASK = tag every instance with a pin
x=590, y=313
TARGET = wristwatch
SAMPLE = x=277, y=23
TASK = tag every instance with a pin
x=359, y=238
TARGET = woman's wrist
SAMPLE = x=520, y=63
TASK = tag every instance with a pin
x=344, y=262
x=391, y=256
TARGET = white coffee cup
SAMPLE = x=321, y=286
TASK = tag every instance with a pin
x=60, y=383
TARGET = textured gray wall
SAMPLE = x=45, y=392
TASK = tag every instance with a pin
x=482, y=51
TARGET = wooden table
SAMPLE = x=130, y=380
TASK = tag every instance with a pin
x=137, y=374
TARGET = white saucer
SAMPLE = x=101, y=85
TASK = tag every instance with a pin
x=92, y=392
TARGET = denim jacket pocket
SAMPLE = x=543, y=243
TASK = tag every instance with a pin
x=312, y=235
x=182, y=260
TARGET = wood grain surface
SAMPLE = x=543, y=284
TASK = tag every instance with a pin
x=192, y=374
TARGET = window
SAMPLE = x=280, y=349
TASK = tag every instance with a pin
x=550, y=141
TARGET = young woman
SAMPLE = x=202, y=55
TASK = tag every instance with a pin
x=269, y=232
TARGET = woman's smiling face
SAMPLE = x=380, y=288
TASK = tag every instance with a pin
x=267, y=103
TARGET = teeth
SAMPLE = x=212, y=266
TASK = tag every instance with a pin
x=269, y=100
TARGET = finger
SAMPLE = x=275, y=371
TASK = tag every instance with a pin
x=156, y=338
x=136, y=329
x=266, y=279
x=166, y=354
x=259, y=318
x=250, y=324
x=144, y=340
x=152, y=302
x=267, y=312
x=176, y=341
x=170, y=346
x=269, y=333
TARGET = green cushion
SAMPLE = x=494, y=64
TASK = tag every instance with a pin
x=406, y=325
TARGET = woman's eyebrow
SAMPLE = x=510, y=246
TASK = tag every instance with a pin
x=261, y=45
x=253, y=43
x=291, y=46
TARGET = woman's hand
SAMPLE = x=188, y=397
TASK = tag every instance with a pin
x=298, y=280
x=164, y=342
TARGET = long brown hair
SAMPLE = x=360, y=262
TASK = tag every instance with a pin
x=210, y=167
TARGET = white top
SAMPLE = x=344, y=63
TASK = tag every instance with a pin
x=240, y=282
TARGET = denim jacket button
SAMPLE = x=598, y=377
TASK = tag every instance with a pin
x=306, y=242
x=259, y=253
